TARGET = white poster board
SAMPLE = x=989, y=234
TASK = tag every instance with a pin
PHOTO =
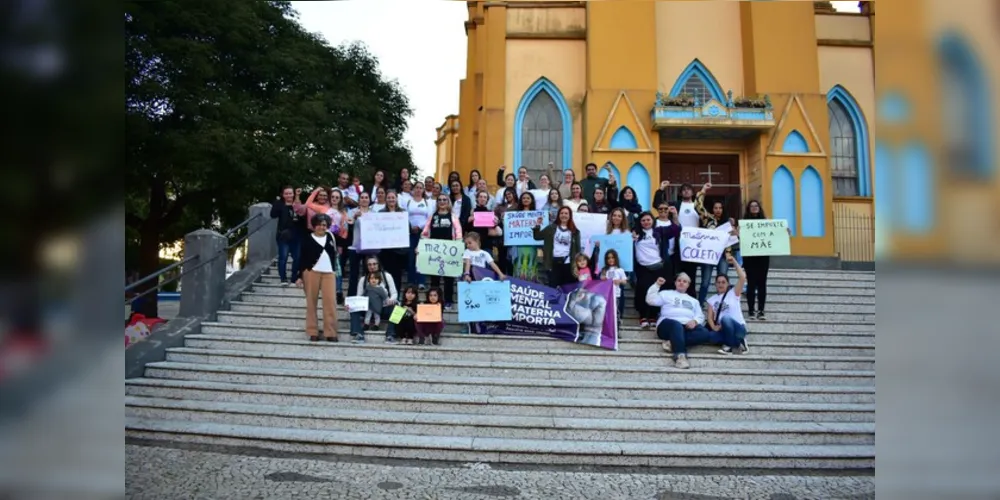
x=733, y=239
x=704, y=246
x=590, y=225
x=356, y=304
x=384, y=230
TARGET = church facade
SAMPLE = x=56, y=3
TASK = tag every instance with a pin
x=773, y=101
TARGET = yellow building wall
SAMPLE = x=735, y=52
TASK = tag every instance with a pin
x=708, y=31
x=563, y=62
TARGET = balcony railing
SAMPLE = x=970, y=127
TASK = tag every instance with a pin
x=690, y=112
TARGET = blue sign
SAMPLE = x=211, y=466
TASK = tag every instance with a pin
x=517, y=227
x=484, y=301
x=621, y=243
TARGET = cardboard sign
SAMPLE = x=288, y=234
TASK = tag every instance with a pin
x=429, y=313
x=620, y=243
x=484, y=301
x=483, y=219
x=440, y=257
x=356, y=304
x=764, y=237
x=590, y=225
x=384, y=230
x=517, y=227
x=397, y=315
x=704, y=246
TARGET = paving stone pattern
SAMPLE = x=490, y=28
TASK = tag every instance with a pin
x=172, y=473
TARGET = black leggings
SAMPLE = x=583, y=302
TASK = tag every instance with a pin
x=756, y=269
x=561, y=274
x=645, y=278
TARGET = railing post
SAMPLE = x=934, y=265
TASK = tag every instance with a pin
x=203, y=288
x=262, y=245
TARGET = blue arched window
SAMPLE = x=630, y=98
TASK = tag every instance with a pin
x=849, y=157
x=623, y=139
x=543, y=129
x=610, y=168
x=638, y=179
x=795, y=143
x=917, y=186
x=698, y=82
x=783, y=197
x=813, y=204
x=968, y=129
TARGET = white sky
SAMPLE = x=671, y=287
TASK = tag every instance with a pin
x=420, y=43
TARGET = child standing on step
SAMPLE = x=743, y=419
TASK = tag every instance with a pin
x=407, y=326
x=475, y=256
x=432, y=330
x=581, y=268
x=617, y=276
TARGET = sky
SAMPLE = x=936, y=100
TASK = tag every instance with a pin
x=419, y=43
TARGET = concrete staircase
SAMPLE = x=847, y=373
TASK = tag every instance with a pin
x=802, y=398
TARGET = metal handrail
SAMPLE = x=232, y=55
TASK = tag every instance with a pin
x=159, y=273
x=240, y=225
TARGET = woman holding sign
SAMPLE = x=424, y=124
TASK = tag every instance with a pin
x=652, y=261
x=509, y=203
x=756, y=268
x=373, y=267
x=443, y=225
x=561, y=242
x=354, y=254
x=394, y=258
x=419, y=210
x=525, y=258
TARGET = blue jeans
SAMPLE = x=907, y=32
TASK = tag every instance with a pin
x=722, y=268
x=353, y=264
x=411, y=264
x=359, y=317
x=733, y=333
x=291, y=248
x=680, y=337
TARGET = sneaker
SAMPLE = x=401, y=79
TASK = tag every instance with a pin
x=360, y=339
x=448, y=306
x=744, y=347
x=682, y=362
x=643, y=323
x=666, y=346
x=760, y=316
x=726, y=350
x=390, y=340
x=285, y=284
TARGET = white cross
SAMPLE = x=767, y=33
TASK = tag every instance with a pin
x=710, y=173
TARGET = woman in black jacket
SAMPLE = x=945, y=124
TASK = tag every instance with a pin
x=320, y=267
x=290, y=212
x=461, y=204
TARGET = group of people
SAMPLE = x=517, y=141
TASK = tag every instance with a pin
x=318, y=234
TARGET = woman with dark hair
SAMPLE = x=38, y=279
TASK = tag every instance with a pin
x=504, y=181
x=508, y=202
x=601, y=205
x=575, y=198
x=320, y=268
x=373, y=266
x=561, y=242
x=379, y=180
x=688, y=215
x=652, y=261
x=629, y=201
x=290, y=213
x=524, y=182
x=471, y=189
x=443, y=225
x=461, y=204
x=419, y=209
x=394, y=258
x=452, y=177
x=354, y=252
x=404, y=175
x=525, y=257
x=756, y=269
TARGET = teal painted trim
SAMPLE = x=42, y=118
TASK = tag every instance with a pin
x=884, y=167
x=623, y=139
x=697, y=68
x=813, y=204
x=783, y=197
x=544, y=85
x=957, y=56
x=795, y=143
x=639, y=180
x=917, y=186
x=610, y=168
x=840, y=94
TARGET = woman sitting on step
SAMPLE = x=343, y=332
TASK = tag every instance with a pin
x=681, y=322
x=372, y=266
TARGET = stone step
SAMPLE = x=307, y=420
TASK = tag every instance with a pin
x=783, y=331
x=448, y=425
x=774, y=311
x=669, y=408
x=183, y=375
x=497, y=450
x=868, y=300
x=569, y=354
x=327, y=356
x=647, y=343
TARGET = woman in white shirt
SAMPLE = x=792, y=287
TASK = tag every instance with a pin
x=651, y=261
x=576, y=198
x=379, y=203
x=681, y=321
x=419, y=209
x=508, y=182
x=320, y=268
x=472, y=188
x=725, y=314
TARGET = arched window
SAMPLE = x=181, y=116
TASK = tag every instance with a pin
x=783, y=197
x=849, y=157
x=542, y=130
x=967, y=126
x=623, y=139
x=699, y=83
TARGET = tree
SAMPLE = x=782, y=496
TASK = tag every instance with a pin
x=228, y=100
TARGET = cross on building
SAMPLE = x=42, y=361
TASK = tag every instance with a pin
x=709, y=173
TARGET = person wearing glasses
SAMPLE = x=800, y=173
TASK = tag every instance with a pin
x=443, y=225
x=320, y=267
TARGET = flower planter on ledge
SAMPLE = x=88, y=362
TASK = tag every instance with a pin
x=713, y=114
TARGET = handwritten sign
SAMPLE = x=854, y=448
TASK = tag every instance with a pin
x=484, y=301
x=704, y=246
x=517, y=227
x=440, y=257
x=590, y=225
x=384, y=230
x=764, y=237
x=620, y=243
x=356, y=304
x=733, y=239
x=483, y=219
x=428, y=313
x=397, y=315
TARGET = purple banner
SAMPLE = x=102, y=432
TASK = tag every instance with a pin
x=579, y=313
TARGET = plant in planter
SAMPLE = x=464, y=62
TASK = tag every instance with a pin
x=748, y=102
x=680, y=101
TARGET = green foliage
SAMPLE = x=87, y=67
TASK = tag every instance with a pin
x=229, y=100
